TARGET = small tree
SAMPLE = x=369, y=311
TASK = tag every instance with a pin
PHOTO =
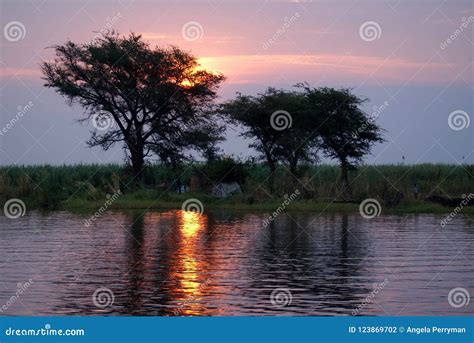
x=344, y=131
x=276, y=124
x=156, y=97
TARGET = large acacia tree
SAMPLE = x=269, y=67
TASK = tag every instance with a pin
x=343, y=130
x=158, y=98
x=276, y=122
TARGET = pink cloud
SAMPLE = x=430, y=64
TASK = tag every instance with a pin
x=20, y=72
x=342, y=68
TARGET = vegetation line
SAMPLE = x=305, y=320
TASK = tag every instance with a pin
x=89, y=186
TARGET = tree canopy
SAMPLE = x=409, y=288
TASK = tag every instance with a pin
x=158, y=99
x=344, y=131
x=291, y=127
x=276, y=123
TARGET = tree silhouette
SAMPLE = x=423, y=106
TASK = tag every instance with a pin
x=157, y=98
x=277, y=124
x=344, y=131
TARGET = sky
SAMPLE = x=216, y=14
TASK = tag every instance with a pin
x=412, y=59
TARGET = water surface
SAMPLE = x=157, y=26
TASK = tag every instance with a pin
x=227, y=263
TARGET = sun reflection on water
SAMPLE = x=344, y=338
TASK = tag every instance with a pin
x=190, y=225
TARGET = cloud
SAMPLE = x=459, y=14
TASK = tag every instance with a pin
x=155, y=36
x=333, y=67
x=178, y=39
x=339, y=68
x=19, y=72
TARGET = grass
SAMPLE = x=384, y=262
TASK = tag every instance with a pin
x=85, y=187
x=128, y=202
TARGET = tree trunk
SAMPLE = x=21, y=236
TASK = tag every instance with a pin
x=271, y=179
x=294, y=167
x=138, y=162
x=272, y=165
x=346, y=187
x=294, y=172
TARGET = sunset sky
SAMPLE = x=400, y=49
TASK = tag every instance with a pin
x=409, y=64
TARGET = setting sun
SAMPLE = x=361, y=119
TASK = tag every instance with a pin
x=193, y=77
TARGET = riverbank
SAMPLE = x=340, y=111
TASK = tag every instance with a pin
x=424, y=188
x=128, y=202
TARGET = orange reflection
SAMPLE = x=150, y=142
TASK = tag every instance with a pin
x=190, y=224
